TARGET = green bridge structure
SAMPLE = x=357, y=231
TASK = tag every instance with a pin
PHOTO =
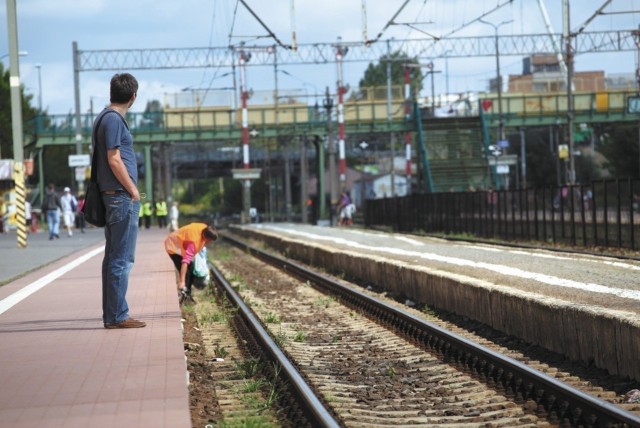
x=450, y=153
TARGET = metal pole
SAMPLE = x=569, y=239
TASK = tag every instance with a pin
x=340, y=53
x=433, y=90
x=39, y=67
x=523, y=158
x=571, y=174
x=407, y=117
x=501, y=134
x=16, y=123
x=148, y=171
x=392, y=136
x=446, y=73
x=500, y=118
x=287, y=184
x=76, y=85
x=246, y=188
x=333, y=184
x=304, y=180
x=277, y=117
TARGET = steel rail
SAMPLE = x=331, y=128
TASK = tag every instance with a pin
x=559, y=400
x=315, y=410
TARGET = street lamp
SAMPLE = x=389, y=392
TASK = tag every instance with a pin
x=20, y=53
x=501, y=136
x=39, y=66
x=446, y=72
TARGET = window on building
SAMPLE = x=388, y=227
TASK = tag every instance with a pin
x=540, y=87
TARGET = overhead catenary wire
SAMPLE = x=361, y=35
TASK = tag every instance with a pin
x=483, y=15
x=271, y=33
x=389, y=23
x=582, y=27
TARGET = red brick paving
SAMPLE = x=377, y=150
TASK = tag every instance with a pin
x=60, y=368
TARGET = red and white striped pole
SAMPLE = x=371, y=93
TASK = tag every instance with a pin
x=245, y=114
x=407, y=116
x=340, y=52
x=246, y=188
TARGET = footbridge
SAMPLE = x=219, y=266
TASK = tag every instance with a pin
x=447, y=152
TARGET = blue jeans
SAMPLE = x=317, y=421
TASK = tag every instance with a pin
x=53, y=222
x=121, y=232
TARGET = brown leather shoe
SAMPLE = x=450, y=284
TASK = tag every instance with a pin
x=128, y=323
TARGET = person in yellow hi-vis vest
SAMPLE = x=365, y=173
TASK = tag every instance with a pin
x=161, y=213
x=147, y=212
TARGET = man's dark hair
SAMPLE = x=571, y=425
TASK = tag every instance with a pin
x=123, y=87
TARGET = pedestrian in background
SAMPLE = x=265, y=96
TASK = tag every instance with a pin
x=140, y=216
x=69, y=205
x=344, y=213
x=51, y=207
x=117, y=177
x=147, y=212
x=27, y=213
x=182, y=246
x=161, y=213
x=82, y=223
x=174, y=215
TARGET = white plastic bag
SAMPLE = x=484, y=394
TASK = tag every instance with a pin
x=200, y=268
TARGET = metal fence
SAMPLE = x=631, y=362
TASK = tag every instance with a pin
x=603, y=214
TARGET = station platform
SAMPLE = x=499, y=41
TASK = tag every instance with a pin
x=579, y=305
x=59, y=367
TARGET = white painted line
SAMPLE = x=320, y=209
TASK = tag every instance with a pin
x=15, y=298
x=501, y=269
x=410, y=241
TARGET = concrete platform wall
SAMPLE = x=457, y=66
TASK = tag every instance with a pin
x=580, y=332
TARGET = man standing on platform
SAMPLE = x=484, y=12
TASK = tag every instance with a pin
x=117, y=176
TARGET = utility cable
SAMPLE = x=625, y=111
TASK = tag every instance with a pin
x=271, y=34
x=592, y=17
x=368, y=42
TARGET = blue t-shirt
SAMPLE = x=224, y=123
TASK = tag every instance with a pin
x=113, y=134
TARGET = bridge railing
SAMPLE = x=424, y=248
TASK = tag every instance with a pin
x=555, y=104
x=292, y=114
x=602, y=214
x=224, y=118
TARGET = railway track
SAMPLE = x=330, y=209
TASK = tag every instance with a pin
x=352, y=360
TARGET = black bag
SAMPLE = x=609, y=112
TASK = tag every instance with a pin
x=93, y=209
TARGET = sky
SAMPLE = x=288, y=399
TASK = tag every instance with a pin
x=46, y=30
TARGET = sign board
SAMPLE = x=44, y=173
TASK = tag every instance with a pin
x=79, y=160
x=246, y=173
x=6, y=169
x=503, y=144
x=563, y=151
x=503, y=160
x=81, y=173
x=502, y=169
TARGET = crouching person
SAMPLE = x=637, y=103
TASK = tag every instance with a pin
x=182, y=246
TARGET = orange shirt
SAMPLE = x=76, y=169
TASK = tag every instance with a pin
x=186, y=241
